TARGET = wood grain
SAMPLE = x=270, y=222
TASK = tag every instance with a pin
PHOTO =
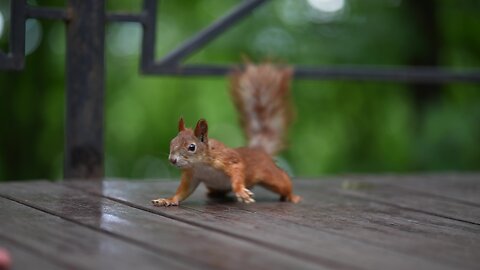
x=344, y=222
x=199, y=247
x=407, y=192
x=321, y=227
x=75, y=247
x=458, y=187
x=23, y=257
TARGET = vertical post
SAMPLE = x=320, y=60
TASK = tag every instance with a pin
x=17, y=34
x=85, y=90
x=149, y=22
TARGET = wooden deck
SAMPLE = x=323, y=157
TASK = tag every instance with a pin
x=344, y=222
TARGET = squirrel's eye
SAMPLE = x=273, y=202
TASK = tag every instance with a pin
x=191, y=147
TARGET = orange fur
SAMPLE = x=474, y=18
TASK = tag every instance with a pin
x=261, y=94
x=241, y=168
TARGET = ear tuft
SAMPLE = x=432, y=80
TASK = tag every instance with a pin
x=201, y=130
x=181, y=124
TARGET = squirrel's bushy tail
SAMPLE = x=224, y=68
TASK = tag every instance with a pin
x=261, y=94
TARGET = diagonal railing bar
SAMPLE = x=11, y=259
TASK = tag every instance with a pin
x=171, y=63
x=210, y=32
x=85, y=21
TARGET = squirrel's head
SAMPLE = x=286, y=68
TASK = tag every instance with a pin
x=189, y=146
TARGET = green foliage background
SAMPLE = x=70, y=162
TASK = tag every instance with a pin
x=341, y=126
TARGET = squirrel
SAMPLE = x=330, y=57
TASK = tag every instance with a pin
x=261, y=96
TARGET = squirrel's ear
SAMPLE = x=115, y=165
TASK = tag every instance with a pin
x=181, y=125
x=201, y=130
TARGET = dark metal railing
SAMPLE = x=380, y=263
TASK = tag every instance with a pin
x=85, y=86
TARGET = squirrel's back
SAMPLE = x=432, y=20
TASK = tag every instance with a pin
x=261, y=94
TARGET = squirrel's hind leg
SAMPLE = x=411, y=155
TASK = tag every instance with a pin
x=291, y=198
x=280, y=183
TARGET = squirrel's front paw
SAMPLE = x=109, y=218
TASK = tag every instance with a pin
x=245, y=196
x=164, y=202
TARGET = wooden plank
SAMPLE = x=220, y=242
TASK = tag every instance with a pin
x=71, y=245
x=323, y=226
x=24, y=258
x=459, y=187
x=403, y=192
x=412, y=231
x=203, y=248
x=409, y=232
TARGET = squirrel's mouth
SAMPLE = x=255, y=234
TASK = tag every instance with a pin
x=181, y=165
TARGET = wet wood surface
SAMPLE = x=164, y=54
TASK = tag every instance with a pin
x=344, y=222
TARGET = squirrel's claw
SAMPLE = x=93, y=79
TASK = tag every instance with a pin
x=249, y=192
x=245, y=196
x=164, y=202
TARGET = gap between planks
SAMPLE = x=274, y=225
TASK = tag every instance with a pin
x=286, y=251
x=380, y=201
x=246, y=238
x=362, y=183
x=433, y=195
x=318, y=262
x=346, y=193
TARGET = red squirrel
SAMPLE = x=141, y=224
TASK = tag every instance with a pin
x=261, y=95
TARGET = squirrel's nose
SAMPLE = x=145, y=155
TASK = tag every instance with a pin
x=173, y=160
